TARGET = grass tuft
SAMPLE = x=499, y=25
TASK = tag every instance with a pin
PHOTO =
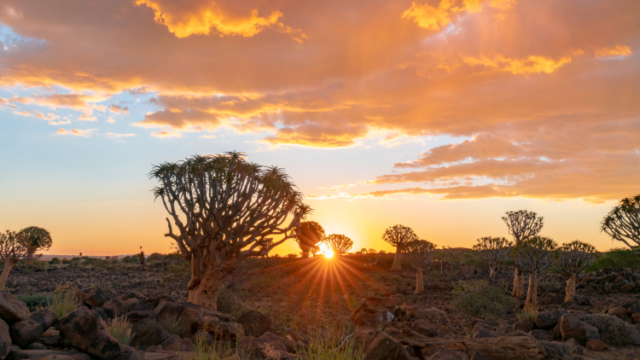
x=527, y=315
x=63, y=301
x=172, y=324
x=479, y=298
x=120, y=328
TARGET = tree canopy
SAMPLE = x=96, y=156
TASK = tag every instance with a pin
x=399, y=235
x=37, y=239
x=338, y=243
x=622, y=223
x=522, y=224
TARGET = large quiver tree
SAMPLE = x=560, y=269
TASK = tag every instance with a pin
x=338, y=243
x=398, y=236
x=419, y=254
x=37, y=239
x=533, y=255
x=13, y=248
x=311, y=234
x=493, y=251
x=622, y=223
x=571, y=260
x=522, y=225
x=225, y=209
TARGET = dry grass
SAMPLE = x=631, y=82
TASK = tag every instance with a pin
x=527, y=315
x=172, y=324
x=613, y=331
x=63, y=301
x=120, y=328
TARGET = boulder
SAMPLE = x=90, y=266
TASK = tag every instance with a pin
x=627, y=288
x=620, y=312
x=27, y=331
x=46, y=355
x=572, y=328
x=254, y=323
x=266, y=346
x=137, y=316
x=12, y=309
x=384, y=347
x=51, y=337
x=5, y=339
x=155, y=337
x=448, y=354
x=477, y=356
x=36, y=346
x=539, y=334
x=176, y=343
x=483, y=333
x=55, y=357
x=635, y=318
x=364, y=337
x=548, y=319
x=504, y=328
x=596, y=345
x=91, y=297
x=129, y=353
x=367, y=319
x=193, y=317
x=422, y=327
x=524, y=325
x=87, y=332
x=379, y=309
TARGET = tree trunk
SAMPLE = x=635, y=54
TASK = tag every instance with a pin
x=518, y=282
x=8, y=265
x=532, y=294
x=491, y=272
x=305, y=252
x=205, y=284
x=571, y=288
x=419, y=281
x=396, y=260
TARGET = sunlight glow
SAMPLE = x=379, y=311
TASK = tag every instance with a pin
x=328, y=253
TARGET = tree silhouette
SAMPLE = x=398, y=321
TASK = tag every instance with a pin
x=493, y=251
x=622, y=223
x=311, y=234
x=572, y=259
x=419, y=254
x=363, y=251
x=14, y=247
x=37, y=239
x=533, y=255
x=398, y=236
x=522, y=225
x=338, y=243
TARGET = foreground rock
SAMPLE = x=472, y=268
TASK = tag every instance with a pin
x=12, y=309
x=47, y=354
x=267, y=346
x=27, y=331
x=254, y=323
x=87, y=332
x=572, y=328
x=374, y=310
x=384, y=347
x=5, y=339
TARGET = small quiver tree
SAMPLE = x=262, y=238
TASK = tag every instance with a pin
x=311, y=233
x=419, y=254
x=37, y=239
x=225, y=209
x=13, y=248
x=493, y=251
x=363, y=251
x=533, y=255
x=314, y=250
x=398, y=236
x=521, y=224
x=622, y=223
x=571, y=260
x=338, y=243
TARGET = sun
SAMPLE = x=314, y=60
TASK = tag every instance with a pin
x=328, y=253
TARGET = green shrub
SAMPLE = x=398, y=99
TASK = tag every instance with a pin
x=616, y=258
x=34, y=302
x=64, y=300
x=527, y=315
x=120, y=328
x=478, y=298
x=613, y=331
x=54, y=261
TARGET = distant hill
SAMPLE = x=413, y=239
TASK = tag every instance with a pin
x=69, y=257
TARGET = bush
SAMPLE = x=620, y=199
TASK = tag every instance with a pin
x=555, y=350
x=332, y=345
x=613, y=331
x=527, y=315
x=172, y=324
x=616, y=258
x=433, y=316
x=228, y=303
x=478, y=298
x=120, y=328
x=54, y=261
x=34, y=302
x=63, y=301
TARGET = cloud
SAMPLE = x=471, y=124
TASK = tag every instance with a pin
x=166, y=134
x=118, y=109
x=531, y=65
x=75, y=132
x=37, y=114
x=111, y=121
x=618, y=50
x=56, y=123
x=87, y=117
x=119, y=136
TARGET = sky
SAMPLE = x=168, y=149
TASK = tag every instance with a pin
x=440, y=115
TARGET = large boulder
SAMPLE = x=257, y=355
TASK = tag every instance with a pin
x=194, y=317
x=91, y=297
x=546, y=320
x=87, y=332
x=384, y=347
x=620, y=312
x=27, y=331
x=572, y=328
x=254, y=323
x=12, y=309
x=176, y=343
x=423, y=327
x=525, y=325
x=129, y=353
x=5, y=339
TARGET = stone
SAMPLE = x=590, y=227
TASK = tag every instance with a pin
x=176, y=343
x=548, y=319
x=448, y=354
x=100, y=312
x=87, y=332
x=55, y=357
x=5, y=339
x=364, y=318
x=539, y=334
x=46, y=355
x=572, y=328
x=129, y=353
x=51, y=337
x=91, y=297
x=254, y=323
x=27, y=331
x=384, y=347
x=619, y=312
x=35, y=346
x=137, y=316
x=477, y=356
x=504, y=328
x=12, y=309
x=627, y=288
x=193, y=318
x=596, y=345
x=524, y=325
x=483, y=333
x=635, y=318
x=155, y=337
x=364, y=337
x=379, y=309
x=423, y=327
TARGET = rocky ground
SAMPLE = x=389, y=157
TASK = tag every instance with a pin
x=360, y=296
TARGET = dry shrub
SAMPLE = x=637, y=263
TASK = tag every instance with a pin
x=527, y=315
x=479, y=298
x=63, y=301
x=613, y=331
x=433, y=316
x=555, y=350
x=172, y=324
x=120, y=328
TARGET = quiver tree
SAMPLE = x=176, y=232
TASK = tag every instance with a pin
x=622, y=223
x=521, y=224
x=493, y=251
x=311, y=233
x=398, y=236
x=533, y=255
x=37, y=239
x=571, y=260
x=225, y=209
x=314, y=250
x=14, y=247
x=338, y=243
x=419, y=254
x=363, y=251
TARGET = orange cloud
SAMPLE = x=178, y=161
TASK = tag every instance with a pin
x=75, y=132
x=530, y=65
x=502, y=4
x=118, y=109
x=118, y=136
x=431, y=17
x=166, y=134
x=618, y=50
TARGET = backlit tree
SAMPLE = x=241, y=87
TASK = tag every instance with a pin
x=419, y=254
x=363, y=251
x=398, y=236
x=493, y=251
x=571, y=260
x=338, y=243
x=13, y=248
x=533, y=255
x=38, y=239
x=622, y=223
x=225, y=209
x=522, y=225
x=311, y=234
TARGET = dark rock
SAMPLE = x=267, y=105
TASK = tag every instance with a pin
x=129, y=353
x=524, y=325
x=87, y=332
x=51, y=337
x=364, y=337
x=448, y=354
x=254, y=323
x=483, y=333
x=12, y=309
x=100, y=312
x=5, y=339
x=548, y=319
x=385, y=347
x=91, y=297
x=635, y=318
x=627, y=288
x=596, y=345
x=27, y=331
x=266, y=346
x=477, y=356
x=364, y=318
x=572, y=328
x=46, y=355
x=193, y=317
x=539, y=334
x=137, y=316
x=504, y=328
x=619, y=312
x=155, y=337
x=176, y=343
x=422, y=327
x=35, y=346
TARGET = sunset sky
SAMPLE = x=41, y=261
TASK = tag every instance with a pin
x=440, y=115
